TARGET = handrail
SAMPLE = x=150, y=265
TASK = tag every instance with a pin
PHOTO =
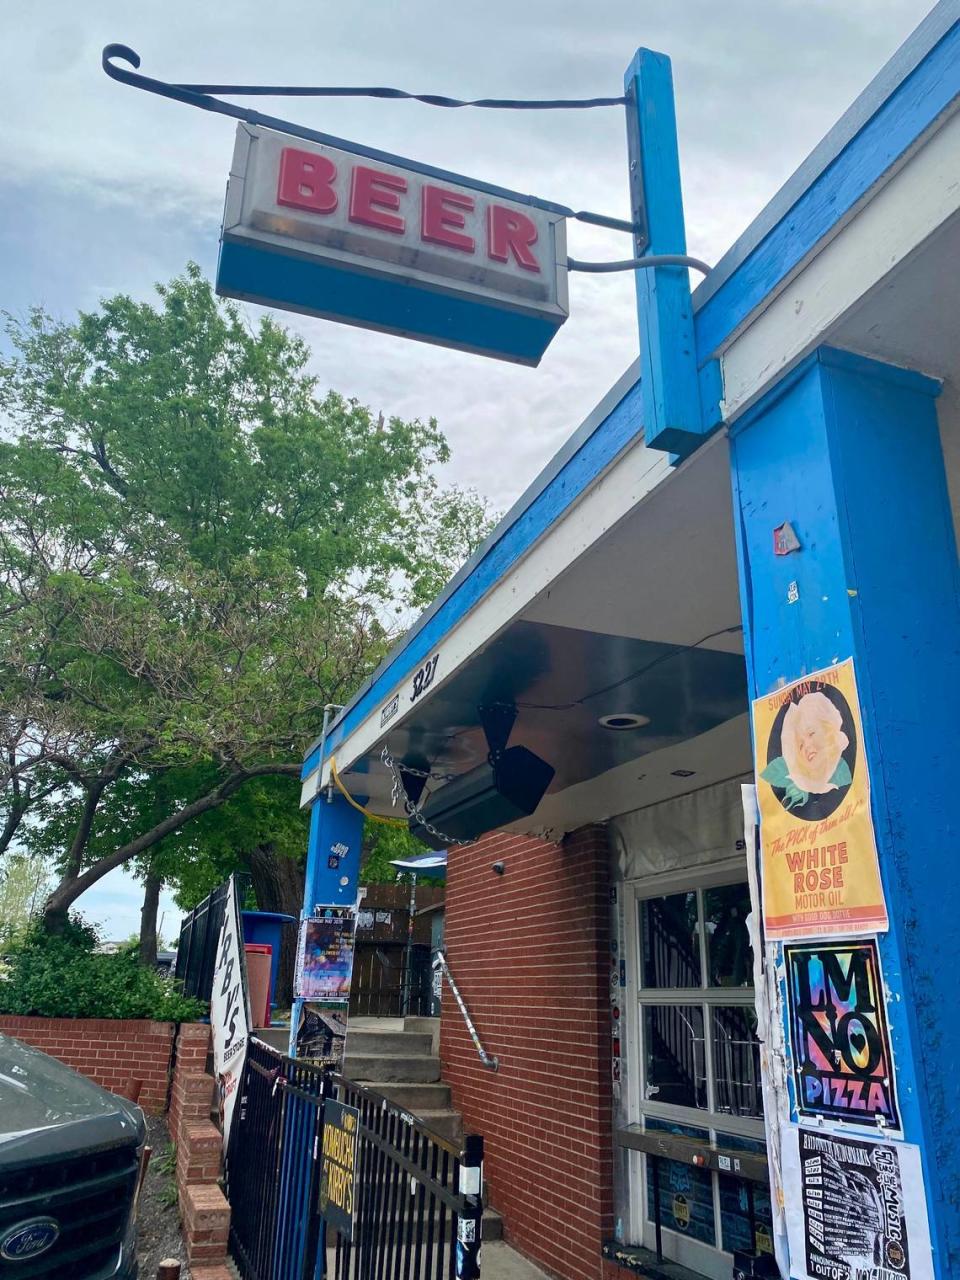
x=488, y=1059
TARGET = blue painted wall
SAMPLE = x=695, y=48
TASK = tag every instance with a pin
x=848, y=450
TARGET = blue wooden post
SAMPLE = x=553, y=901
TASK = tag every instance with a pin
x=669, y=385
x=848, y=451
x=333, y=861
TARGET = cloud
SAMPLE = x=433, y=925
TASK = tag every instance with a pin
x=107, y=188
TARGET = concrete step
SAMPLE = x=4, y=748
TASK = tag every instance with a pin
x=360, y=1040
x=413, y=1097
x=447, y=1123
x=491, y=1227
x=421, y=1024
x=276, y=1037
x=425, y=1026
x=373, y=1068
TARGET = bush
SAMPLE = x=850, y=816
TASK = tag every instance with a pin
x=64, y=977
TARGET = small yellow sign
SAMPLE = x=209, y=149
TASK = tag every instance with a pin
x=821, y=875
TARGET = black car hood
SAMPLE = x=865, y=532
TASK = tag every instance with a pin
x=43, y=1102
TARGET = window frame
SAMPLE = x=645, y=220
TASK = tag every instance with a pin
x=708, y=1259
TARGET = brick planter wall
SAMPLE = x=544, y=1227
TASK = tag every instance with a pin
x=108, y=1051
x=204, y=1211
x=530, y=953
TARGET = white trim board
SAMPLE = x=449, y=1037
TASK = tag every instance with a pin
x=917, y=200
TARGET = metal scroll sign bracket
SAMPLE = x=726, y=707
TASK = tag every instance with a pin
x=671, y=399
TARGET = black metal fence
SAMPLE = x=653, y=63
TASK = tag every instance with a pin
x=272, y=1167
x=418, y=1196
x=197, y=949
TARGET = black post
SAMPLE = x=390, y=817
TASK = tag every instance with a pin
x=469, y=1223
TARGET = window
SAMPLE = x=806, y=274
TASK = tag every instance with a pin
x=698, y=1068
x=698, y=1028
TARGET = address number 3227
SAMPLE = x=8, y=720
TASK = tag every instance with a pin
x=423, y=678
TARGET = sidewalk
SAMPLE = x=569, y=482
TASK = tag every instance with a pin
x=499, y=1262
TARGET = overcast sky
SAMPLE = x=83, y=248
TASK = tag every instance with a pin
x=106, y=188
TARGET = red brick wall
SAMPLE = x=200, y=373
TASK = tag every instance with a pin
x=191, y=1090
x=108, y=1051
x=530, y=951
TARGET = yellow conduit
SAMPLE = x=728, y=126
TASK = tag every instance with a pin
x=374, y=817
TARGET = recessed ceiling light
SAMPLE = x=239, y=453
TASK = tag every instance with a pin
x=621, y=720
x=682, y=773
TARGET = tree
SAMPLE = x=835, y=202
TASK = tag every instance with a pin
x=198, y=550
x=24, y=882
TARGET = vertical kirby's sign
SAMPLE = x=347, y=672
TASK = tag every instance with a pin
x=839, y=1042
x=338, y=1169
x=821, y=876
x=229, y=1012
x=385, y=245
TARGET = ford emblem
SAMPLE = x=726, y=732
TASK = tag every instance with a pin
x=29, y=1239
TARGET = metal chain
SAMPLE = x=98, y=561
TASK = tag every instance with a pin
x=411, y=809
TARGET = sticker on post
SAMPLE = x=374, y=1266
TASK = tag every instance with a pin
x=466, y=1231
x=470, y=1176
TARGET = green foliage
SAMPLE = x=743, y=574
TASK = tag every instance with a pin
x=382, y=844
x=199, y=549
x=78, y=934
x=65, y=977
x=24, y=881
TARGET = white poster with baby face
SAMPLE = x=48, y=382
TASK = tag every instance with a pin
x=857, y=1209
x=821, y=875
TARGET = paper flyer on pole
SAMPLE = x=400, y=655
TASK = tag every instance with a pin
x=821, y=875
x=859, y=1213
x=325, y=954
x=229, y=1010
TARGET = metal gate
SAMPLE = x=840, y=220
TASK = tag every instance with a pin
x=418, y=1195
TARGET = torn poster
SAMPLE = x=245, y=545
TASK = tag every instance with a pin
x=860, y=1213
x=821, y=875
x=770, y=1032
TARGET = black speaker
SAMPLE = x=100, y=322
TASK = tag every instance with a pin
x=488, y=797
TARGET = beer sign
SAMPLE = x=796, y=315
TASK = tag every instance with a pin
x=386, y=245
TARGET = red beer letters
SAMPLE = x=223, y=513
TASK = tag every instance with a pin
x=377, y=199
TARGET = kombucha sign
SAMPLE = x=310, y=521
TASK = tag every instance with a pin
x=380, y=243
x=821, y=876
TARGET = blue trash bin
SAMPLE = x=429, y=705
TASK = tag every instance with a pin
x=266, y=927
